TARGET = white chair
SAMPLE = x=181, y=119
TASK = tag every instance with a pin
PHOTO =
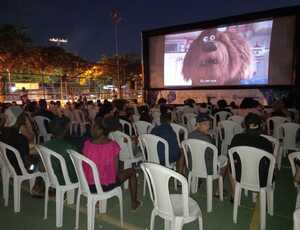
x=148, y=144
x=126, y=154
x=226, y=131
x=297, y=219
x=40, y=121
x=189, y=121
x=78, y=122
x=124, y=124
x=194, y=153
x=156, y=117
x=249, y=179
x=48, y=156
x=179, y=130
x=4, y=174
x=142, y=127
x=18, y=177
x=92, y=198
x=289, y=133
x=292, y=157
x=222, y=116
x=277, y=151
x=273, y=124
x=236, y=118
x=175, y=209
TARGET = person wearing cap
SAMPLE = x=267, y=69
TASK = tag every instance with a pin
x=252, y=137
x=59, y=127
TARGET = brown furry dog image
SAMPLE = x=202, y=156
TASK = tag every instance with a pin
x=217, y=57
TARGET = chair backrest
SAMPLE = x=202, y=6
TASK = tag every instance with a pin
x=227, y=130
x=222, y=115
x=149, y=143
x=236, y=118
x=275, y=143
x=179, y=130
x=142, y=127
x=292, y=157
x=78, y=161
x=40, y=121
x=250, y=158
x=296, y=218
x=194, y=152
x=156, y=117
x=47, y=155
x=125, y=143
x=5, y=151
x=273, y=124
x=158, y=177
x=124, y=124
x=189, y=121
x=289, y=131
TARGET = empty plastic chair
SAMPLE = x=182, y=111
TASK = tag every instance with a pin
x=48, y=156
x=180, y=130
x=175, y=209
x=289, y=133
x=194, y=153
x=92, y=198
x=142, y=127
x=250, y=180
x=292, y=157
x=18, y=177
x=273, y=124
x=40, y=121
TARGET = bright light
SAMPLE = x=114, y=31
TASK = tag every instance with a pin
x=58, y=40
x=13, y=89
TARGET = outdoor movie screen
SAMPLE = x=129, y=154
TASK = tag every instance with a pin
x=241, y=54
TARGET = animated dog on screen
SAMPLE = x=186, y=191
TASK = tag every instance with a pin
x=217, y=57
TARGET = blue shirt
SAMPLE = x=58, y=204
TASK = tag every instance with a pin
x=166, y=132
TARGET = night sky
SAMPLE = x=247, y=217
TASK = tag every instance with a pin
x=88, y=27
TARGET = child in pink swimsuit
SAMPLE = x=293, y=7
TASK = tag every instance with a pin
x=105, y=154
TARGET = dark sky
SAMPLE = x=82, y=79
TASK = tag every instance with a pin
x=88, y=27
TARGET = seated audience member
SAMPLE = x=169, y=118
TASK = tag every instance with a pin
x=279, y=110
x=105, y=154
x=43, y=111
x=145, y=114
x=165, y=131
x=297, y=180
x=252, y=138
x=222, y=106
x=59, y=127
x=202, y=133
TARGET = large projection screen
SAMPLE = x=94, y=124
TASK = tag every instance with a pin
x=259, y=52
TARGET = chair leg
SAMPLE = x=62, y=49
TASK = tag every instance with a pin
x=236, y=202
x=200, y=223
x=77, y=210
x=177, y=223
x=59, y=208
x=270, y=201
x=152, y=222
x=209, y=191
x=17, y=195
x=167, y=225
x=70, y=196
x=221, y=188
x=91, y=214
x=103, y=207
x=46, y=202
x=120, y=197
x=6, y=188
x=246, y=192
x=144, y=189
x=126, y=166
x=262, y=209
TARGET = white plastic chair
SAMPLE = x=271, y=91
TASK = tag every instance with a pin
x=142, y=127
x=297, y=219
x=277, y=151
x=78, y=122
x=179, y=129
x=222, y=116
x=4, y=173
x=156, y=117
x=226, y=131
x=92, y=198
x=126, y=154
x=236, y=118
x=194, y=153
x=10, y=172
x=292, y=157
x=175, y=209
x=276, y=121
x=289, y=133
x=189, y=121
x=40, y=121
x=69, y=187
x=250, y=158
x=148, y=144
x=124, y=124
